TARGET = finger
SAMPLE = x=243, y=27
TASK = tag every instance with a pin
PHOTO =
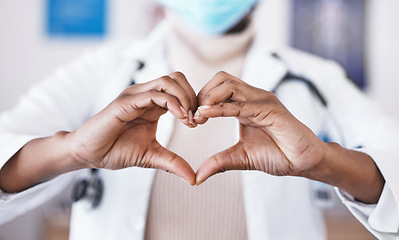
x=229, y=159
x=217, y=80
x=183, y=83
x=199, y=119
x=171, y=162
x=128, y=107
x=177, y=84
x=168, y=85
x=230, y=90
x=221, y=88
x=261, y=113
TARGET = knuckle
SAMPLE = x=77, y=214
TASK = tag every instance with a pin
x=206, y=95
x=273, y=103
x=200, y=95
x=168, y=163
x=204, y=98
x=221, y=74
x=271, y=96
x=178, y=74
x=231, y=83
x=165, y=80
x=218, y=162
x=122, y=95
x=126, y=92
x=152, y=92
x=233, y=104
x=240, y=104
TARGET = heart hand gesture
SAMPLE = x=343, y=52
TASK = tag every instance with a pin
x=272, y=140
x=123, y=134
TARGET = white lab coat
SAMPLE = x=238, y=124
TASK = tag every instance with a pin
x=276, y=207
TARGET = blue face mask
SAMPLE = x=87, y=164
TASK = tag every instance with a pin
x=211, y=17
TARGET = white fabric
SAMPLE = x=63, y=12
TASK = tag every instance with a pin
x=381, y=219
x=276, y=208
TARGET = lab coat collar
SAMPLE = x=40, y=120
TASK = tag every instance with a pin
x=261, y=69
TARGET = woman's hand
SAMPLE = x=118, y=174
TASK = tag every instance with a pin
x=123, y=134
x=272, y=140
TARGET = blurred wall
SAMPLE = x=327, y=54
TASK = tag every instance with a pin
x=27, y=54
x=383, y=51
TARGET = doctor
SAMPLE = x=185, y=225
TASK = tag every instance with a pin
x=84, y=117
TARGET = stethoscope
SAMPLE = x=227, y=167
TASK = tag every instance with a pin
x=290, y=77
x=91, y=189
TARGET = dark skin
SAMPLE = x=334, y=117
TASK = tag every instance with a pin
x=272, y=140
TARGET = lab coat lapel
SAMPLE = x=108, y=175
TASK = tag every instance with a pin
x=263, y=71
x=151, y=54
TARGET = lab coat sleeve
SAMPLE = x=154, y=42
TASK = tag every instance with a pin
x=367, y=129
x=63, y=101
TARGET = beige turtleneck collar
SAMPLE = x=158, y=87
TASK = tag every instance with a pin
x=190, y=52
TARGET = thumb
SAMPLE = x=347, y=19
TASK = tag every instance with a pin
x=169, y=161
x=233, y=158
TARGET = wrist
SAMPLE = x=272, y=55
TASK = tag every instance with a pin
x=37, y=161
x=326, y=165
x=68, y=159
x=352, y=171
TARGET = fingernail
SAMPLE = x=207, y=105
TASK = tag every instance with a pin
x=188, y=182
x=197, y=115
x=203, y=107
x=183, y=111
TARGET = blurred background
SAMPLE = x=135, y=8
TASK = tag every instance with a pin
x=37, y=36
